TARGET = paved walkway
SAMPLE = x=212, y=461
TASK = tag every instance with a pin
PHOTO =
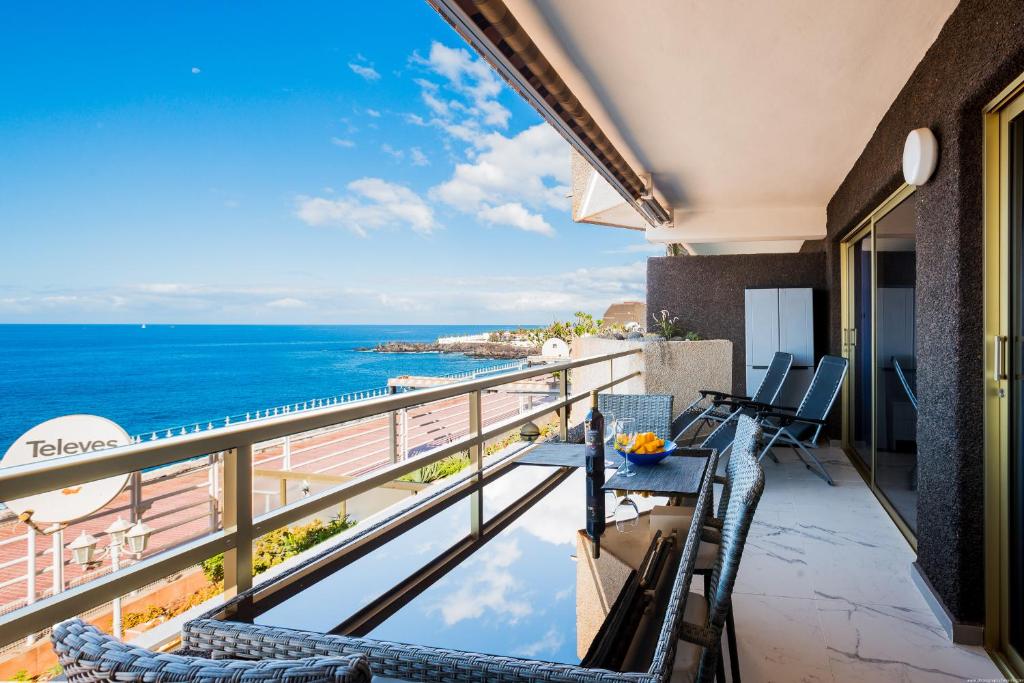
x=824, y=591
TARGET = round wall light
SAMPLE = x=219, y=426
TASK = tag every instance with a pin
x=920, y=156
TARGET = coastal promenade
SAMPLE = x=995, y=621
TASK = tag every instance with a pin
x=182, y=502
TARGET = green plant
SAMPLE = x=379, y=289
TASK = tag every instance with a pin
x=445, y=467
x=567, y=330
x=277, y=546
x=665, y=326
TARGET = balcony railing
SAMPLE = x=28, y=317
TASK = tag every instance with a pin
x=239, y=526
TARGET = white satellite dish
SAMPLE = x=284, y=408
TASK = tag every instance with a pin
x=555, y=348
x=63, y=437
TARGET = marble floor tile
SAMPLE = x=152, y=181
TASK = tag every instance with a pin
x=865, y=638
x=824, y=590
x=780, y=640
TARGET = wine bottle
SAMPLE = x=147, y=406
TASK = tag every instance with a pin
x=594, y=461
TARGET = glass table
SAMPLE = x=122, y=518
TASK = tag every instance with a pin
x=501, y=567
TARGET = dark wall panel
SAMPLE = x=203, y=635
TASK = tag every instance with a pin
x=978, y=52
x=706, y=293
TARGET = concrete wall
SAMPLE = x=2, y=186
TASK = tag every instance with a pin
x=679, y=368
x=706, y=293
x=979, y=51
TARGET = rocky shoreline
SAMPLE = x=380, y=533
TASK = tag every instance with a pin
x=495, y=350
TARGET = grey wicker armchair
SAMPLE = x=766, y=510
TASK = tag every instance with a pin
x=87, y=654
x=699, y=656
x=650, y=412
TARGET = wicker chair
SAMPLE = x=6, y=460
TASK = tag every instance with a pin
x=649, y=412
x=87, y=654
x=699, y=656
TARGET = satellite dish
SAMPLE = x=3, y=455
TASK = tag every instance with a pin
x=555, y=348
x=64, y=437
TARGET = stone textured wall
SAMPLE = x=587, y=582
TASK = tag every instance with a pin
x=706, y=293
x=979, y=51
x=678, y=368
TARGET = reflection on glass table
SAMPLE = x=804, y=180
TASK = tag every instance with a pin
x=528, y=586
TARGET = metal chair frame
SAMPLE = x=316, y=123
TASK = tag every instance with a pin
x=781, y=431
x=767, y=392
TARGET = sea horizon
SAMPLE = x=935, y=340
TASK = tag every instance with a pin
x=170, y=375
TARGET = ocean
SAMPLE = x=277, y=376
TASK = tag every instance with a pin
x=163, y=376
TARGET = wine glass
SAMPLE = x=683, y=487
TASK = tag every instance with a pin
x=625, y=439
x=626, y=514
x=609, y=429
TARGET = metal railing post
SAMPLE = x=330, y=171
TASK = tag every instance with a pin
x=58, y=561
x=563, y=412
x=476, y=458
x=238, y=516
x=392, y=433
x=403, y=416
x=135, y=484
x=213, y=490
x=30, y=589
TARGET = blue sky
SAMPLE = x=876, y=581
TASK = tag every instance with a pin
x=261, y=163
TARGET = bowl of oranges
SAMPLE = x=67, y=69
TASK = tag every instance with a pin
x=647, y=448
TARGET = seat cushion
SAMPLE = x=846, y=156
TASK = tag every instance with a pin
x=687, y=661
x=86, y=653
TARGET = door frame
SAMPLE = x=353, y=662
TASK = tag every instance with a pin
x=997, y=283
x=866, y=227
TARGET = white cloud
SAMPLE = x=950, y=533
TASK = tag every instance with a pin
x=548, y=644
x=342, y=142
x=372, y=203
x=468, y=76
x=196, y=70
x=531, y=167
x=511, y=180
x=287, y=302
x=432, y=298
x=517, y=216
x=373, y=112
x=395, y=154
x=417, y=157
x=490, y=588
x=366, y=72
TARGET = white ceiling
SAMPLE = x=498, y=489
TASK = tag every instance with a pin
x=739, y=109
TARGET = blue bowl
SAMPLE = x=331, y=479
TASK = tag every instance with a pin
x=643, y=459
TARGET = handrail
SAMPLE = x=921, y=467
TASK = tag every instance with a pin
x=240, y=526
x=30, y=479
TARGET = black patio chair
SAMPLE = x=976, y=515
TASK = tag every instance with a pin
x=710, y=408
x=800, y=428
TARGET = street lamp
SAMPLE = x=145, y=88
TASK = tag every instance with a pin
x=83, y=549
x=137, y=537
x=117, y=531
x=133, y=537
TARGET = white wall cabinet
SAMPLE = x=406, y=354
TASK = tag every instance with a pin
x=780, y=320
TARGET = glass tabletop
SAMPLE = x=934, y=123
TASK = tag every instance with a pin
x=528, y=587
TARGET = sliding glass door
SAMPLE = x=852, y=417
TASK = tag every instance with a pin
x=1015, y=375
x=879, y=267
x=858, y=343
x=1004, y=377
